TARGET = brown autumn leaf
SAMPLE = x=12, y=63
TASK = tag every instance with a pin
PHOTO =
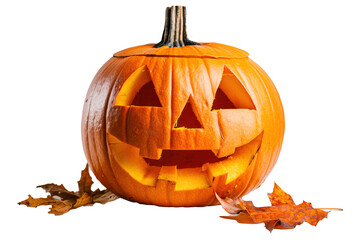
x=85, y=181
x=63, y=200
x=283, y=213
x=58, y=190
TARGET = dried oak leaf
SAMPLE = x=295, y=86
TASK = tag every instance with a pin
x=63, y=200
x=283, y=214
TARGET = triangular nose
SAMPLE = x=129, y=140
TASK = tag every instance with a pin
x=188, y=118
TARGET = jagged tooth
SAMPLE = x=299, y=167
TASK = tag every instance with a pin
x=225, y=151
x=215, y=151
x=152, y=154
x=158, y=152
x=214, y=170
x=168, y=173
x=205, y=167
x=151, y=176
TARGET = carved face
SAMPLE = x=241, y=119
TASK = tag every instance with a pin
x=180, y=127
x=190, y=128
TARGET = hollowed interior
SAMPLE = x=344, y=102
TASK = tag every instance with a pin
x=184, y=158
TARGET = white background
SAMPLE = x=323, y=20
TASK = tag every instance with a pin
x=50, y=51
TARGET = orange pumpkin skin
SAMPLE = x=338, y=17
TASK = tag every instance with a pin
x=117, y=135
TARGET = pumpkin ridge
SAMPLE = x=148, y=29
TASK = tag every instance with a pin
x=106, y=150
x=117, y=78
x=252, y=183
x=254, y=161
x=257, y=69
x=207, y=70
x=94, y=163
x=85, y=124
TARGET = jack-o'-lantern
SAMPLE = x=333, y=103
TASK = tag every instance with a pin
x=170, y=124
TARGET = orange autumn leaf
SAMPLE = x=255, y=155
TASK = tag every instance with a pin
x=35, y=202
x=84, y=200
x=282, y=214
x=63, y=200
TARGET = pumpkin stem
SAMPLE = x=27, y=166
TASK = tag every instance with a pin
x=174, y=34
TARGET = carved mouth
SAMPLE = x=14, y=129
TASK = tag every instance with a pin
x=185, y=158
x=185, y=169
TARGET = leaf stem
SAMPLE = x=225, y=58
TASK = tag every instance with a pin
x=330, y=209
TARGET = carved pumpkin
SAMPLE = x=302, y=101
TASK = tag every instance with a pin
x=169, y=124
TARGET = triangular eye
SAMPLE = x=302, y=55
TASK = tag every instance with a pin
x=231, y=94
x=138, y=90
x=188, y=118
x=147, y=96
x=221, y=101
